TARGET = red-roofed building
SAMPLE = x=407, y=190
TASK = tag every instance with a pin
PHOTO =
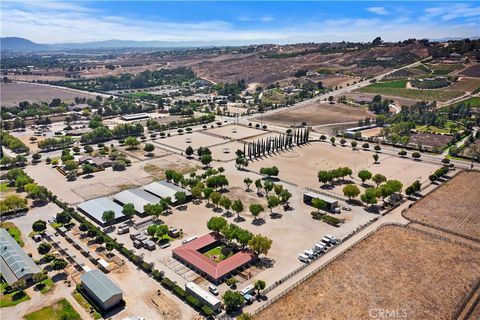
x=191, y=255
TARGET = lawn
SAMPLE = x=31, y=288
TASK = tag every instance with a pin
x=58, y=311
x=86, y=305
x=472, y=102
x=4, y=187
x=428, y=95
x=14, y=232
x=12, y=298
x=216, y=253
x=45, y=285
x=433, y=129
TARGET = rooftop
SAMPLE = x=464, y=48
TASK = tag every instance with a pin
x=100, y=284
x=15, y=263
x=190, y=253
x=138, y=197
x=165, y=189
x=96, y=207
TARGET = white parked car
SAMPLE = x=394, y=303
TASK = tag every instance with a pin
x=331, y=238
x=213, y=290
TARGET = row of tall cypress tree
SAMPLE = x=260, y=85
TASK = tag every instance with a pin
x=264, y=146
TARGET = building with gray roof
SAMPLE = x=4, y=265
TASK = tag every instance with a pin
x=138, y=197
x=96, y=207
x=101, y=289
x=15, y=264
x=164, y=189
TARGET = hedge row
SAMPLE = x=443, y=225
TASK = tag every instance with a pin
x=146, y=267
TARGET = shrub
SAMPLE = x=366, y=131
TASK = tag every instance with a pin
x=193, y=301
x=207, y=311
x=179, y=292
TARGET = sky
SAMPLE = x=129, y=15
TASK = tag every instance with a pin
x=237, y=22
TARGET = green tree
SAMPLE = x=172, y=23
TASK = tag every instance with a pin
x=154, y=209
x=332, y=140
x=87, y=168
x=181, y=197
x=351, y=191
x=243, y=237
x=39, y=226
x=354, y=145
x=108, y=217
x=216, y=224
x=206, y=159
x=370, y=196
x=416, y=155
x=152, y=230
x=319, y=204
x=129, y=210
x=273, y=202
x=268, y=186
x=161, y=231
x=364, y=175
x=63, y=217
x=237, y=207
x=247, y=182
x=215, y=197
x=225, y=203
x=149, y=149
x=375, y=158
x=259, y=285
x=189, y=151
x=324, y=176
x=258, y=185
x=132, y=142
x=379, y=179
x=59, y=264
x=232, y=300
x=207, y=192
x=256, y=209
x=260, y=244
x=44, y=248
x=285, y=196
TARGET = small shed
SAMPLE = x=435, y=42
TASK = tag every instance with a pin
x=101, y=289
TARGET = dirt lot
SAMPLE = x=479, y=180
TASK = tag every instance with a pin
x=197, y=140
x=375, y=132
x=317, y=114
x=241, y=132
x=322, y=156
x=430, y=139
x=218, y=152
x=465, y=84
x=14, y=93
x=453, y=206
x=473, y=71
x=395, y=269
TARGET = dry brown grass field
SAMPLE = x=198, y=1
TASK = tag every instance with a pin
x=317, y=114
x=454, y=206
x=396, y=268
x=14, y=93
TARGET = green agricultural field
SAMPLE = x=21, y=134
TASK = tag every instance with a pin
x=58, y=311
x=422, y=67
x=390, y=84
x=139, y=95
x=426, y=95
x=14, y=232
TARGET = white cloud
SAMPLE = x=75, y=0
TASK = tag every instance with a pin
x=378, y=10
x=451, y=11
x=57, y=22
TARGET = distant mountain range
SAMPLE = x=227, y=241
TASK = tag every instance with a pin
x=17, y=44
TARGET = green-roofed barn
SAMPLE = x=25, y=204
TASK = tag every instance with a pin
x=101, y=289
x=15, y=264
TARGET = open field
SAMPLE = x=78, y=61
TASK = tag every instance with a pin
x=427, y=95
x=430, y=139
x=218, y=152
x=14, y=93
x=197, y=140
x=397, y=269
x=453, y=206
x=322, y=156
x=374, y=132
x=241, y=132
x=397, y=100
x=466, y=84
x=318, y=113
x=107, y=182
x=473, y=71
x=58, y=311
